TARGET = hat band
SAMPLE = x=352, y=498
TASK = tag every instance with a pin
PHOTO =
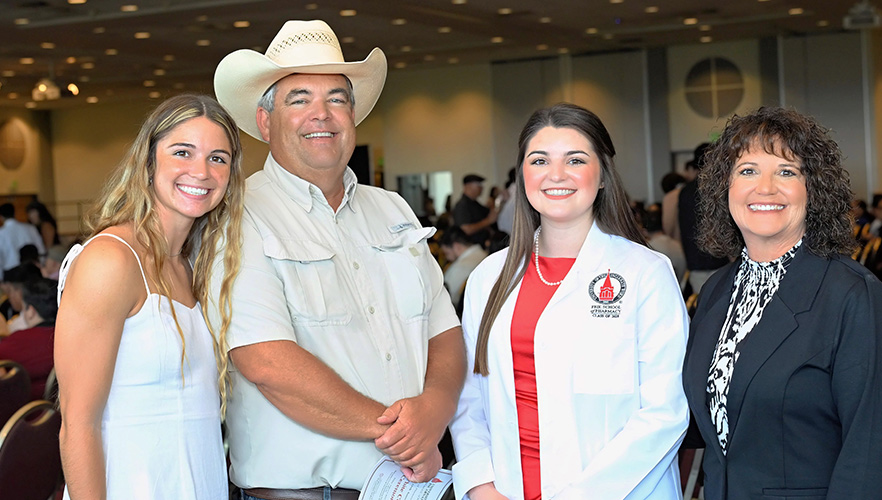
x=305, y=37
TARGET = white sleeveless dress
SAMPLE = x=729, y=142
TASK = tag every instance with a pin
x=161, y=432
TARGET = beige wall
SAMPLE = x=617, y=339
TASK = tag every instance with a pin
x=466, y=118
x=439, y=120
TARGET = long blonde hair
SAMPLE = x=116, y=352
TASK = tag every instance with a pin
x=128, y=197
x=612, y=213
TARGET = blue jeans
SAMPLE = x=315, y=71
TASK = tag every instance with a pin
x=249, y=497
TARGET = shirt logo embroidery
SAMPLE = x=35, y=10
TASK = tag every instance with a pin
x=397, y=228
x=606, y=290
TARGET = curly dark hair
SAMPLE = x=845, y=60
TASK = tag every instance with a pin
x=798, y=138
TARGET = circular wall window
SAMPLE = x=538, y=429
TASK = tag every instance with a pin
x=12, y=144
x=714, y=87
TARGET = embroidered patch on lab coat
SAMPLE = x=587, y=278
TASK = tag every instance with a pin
x=606, y=290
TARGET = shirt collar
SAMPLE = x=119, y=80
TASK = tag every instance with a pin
x=305, y=193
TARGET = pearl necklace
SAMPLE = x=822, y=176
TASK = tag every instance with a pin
x=536, y=258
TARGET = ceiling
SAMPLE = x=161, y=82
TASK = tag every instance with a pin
x=94, y=45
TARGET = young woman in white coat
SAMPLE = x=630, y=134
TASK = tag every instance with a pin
x=575, y=336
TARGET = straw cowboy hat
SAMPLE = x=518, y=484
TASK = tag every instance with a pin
x=243, y=76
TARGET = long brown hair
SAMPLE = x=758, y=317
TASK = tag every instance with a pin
x=128, y=197
x=612, y=213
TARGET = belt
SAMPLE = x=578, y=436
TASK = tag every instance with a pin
x=304, y=494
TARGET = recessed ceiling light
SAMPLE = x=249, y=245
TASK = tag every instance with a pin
x=796, y=11
x=400, y=65
x=111, y=52
x=542, y=46
x=88, y=65
x=26, y=60
x=12, y=95
x=563, y=50
x=73, y=89
x=311, y=6
x=616, y=1
x=142, y=35
x=30, y=105
x=444, y=29
x=690, y=21
x=591, y=31
x=400, y=21
x=458, y=2
x=823, y=22
x=348, y=12
x=8, y=73
x=704, y=27
x=71, y=60
x=405, y=48
x=159, y=72
x=149, y=83
x=428, y=58
x=47, y=45
x=91, y=99
x=154, y=95
x=129, y=8
x=453, y=60
x=98, y=30
x=706, y=39
x=203, y=42
x=497, y=39
x=504, y=11
x=241, y=24
x=348, y=39
x=76, y=2
x=652, y=9
x=21, y=21
x=545, y=20
x=168, y=58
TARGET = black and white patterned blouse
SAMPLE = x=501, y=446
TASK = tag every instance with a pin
x=755, y=285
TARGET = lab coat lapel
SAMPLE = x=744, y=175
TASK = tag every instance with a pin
x=703, y=346
x=795, y=295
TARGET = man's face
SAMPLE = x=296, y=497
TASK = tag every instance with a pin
x=473, y=189
x=311, y=131
x=13, y=291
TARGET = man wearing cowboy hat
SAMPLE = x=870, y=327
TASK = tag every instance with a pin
x=343, y=340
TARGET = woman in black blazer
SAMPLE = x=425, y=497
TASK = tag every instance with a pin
x=782, y=368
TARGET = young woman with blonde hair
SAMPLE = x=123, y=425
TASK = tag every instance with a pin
x=141, y=375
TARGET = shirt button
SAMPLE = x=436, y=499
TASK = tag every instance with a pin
x=355, y=265
x=371, y=309
x=388, y=357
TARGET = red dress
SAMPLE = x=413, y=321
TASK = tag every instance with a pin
x=532, y=299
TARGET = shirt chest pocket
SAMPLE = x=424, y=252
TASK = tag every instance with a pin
x=403, y=258
x=606, y=362
x=313, y=289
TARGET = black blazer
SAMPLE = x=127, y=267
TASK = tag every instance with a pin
x=805, y=399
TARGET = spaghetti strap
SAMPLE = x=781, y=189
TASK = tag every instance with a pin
x=77, y=249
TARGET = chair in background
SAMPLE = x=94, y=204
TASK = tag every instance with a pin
x=30, y=462
x=50, y=393
x=15, y=388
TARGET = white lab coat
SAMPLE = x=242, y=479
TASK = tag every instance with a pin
x=612, y=411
